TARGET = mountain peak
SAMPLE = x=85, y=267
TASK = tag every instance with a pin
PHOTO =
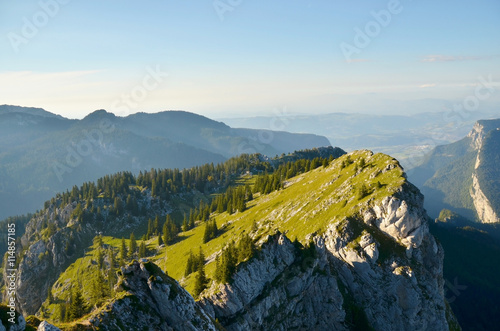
x=99, y=114
x=6, y=109
x=480, y=130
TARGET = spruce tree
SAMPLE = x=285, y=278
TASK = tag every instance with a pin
x=185, y=224
x=246, y=248
x=150, y=229
x=111, y=272
x=50, y=297
x=156, y=226
x=77, y=305
x=142, y=250
x=99, y=258
x=123, y=252
x=166, y=234
x=201, y=280
x=191, y=264
x=132, y=245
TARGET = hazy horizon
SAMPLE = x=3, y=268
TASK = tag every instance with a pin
x=245, y=58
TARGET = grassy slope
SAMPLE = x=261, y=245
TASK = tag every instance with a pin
x=307, y=204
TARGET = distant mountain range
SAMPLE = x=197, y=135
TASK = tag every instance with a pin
x=464, y=176
x=405, y=137
x=42, y=153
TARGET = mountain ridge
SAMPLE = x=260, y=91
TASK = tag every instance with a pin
x=366, y=223
x=461, y=176
x=43, y=153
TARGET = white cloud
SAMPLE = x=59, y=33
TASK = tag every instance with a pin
x=449, y=58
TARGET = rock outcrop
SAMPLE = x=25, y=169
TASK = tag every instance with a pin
x=150, y=300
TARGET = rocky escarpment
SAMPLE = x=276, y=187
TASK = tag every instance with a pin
x=381, y=270
x=463, y=176
x=484, y=210
x=484, y=141
x=150, y=300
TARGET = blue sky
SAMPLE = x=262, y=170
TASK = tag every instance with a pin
x=243, y=58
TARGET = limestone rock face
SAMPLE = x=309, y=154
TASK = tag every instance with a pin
x=279, y=290
x=386, y=265
x=482, y=204
x=151, y=301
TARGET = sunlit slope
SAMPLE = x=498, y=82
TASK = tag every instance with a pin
x=307, y=204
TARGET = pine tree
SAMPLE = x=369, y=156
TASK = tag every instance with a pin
x=150, y=229
x=111, y=272
x=99, y=290
x=246, y=248
x=185, y=225
x=160, y=240
x=218, y=270
x=77, y=306
x=50, y=297
x=201, y=280
x=325, y=163
x=156, y=226
x=123, y=252
x=99, y=258
x=229, y=263
x=201, y=259
x=191, y=262
x=166, y=234
x=98, y=241
x=142, y=250
x=154, y=190
x=132, y=245
x=118, y=206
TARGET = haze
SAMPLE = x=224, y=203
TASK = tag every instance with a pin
x=243, y=58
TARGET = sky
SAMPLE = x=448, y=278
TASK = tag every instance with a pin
x=237, y=58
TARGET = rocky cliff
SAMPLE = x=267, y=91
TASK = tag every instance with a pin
x=150, y=300
x=381, y=270
x=485, y=204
